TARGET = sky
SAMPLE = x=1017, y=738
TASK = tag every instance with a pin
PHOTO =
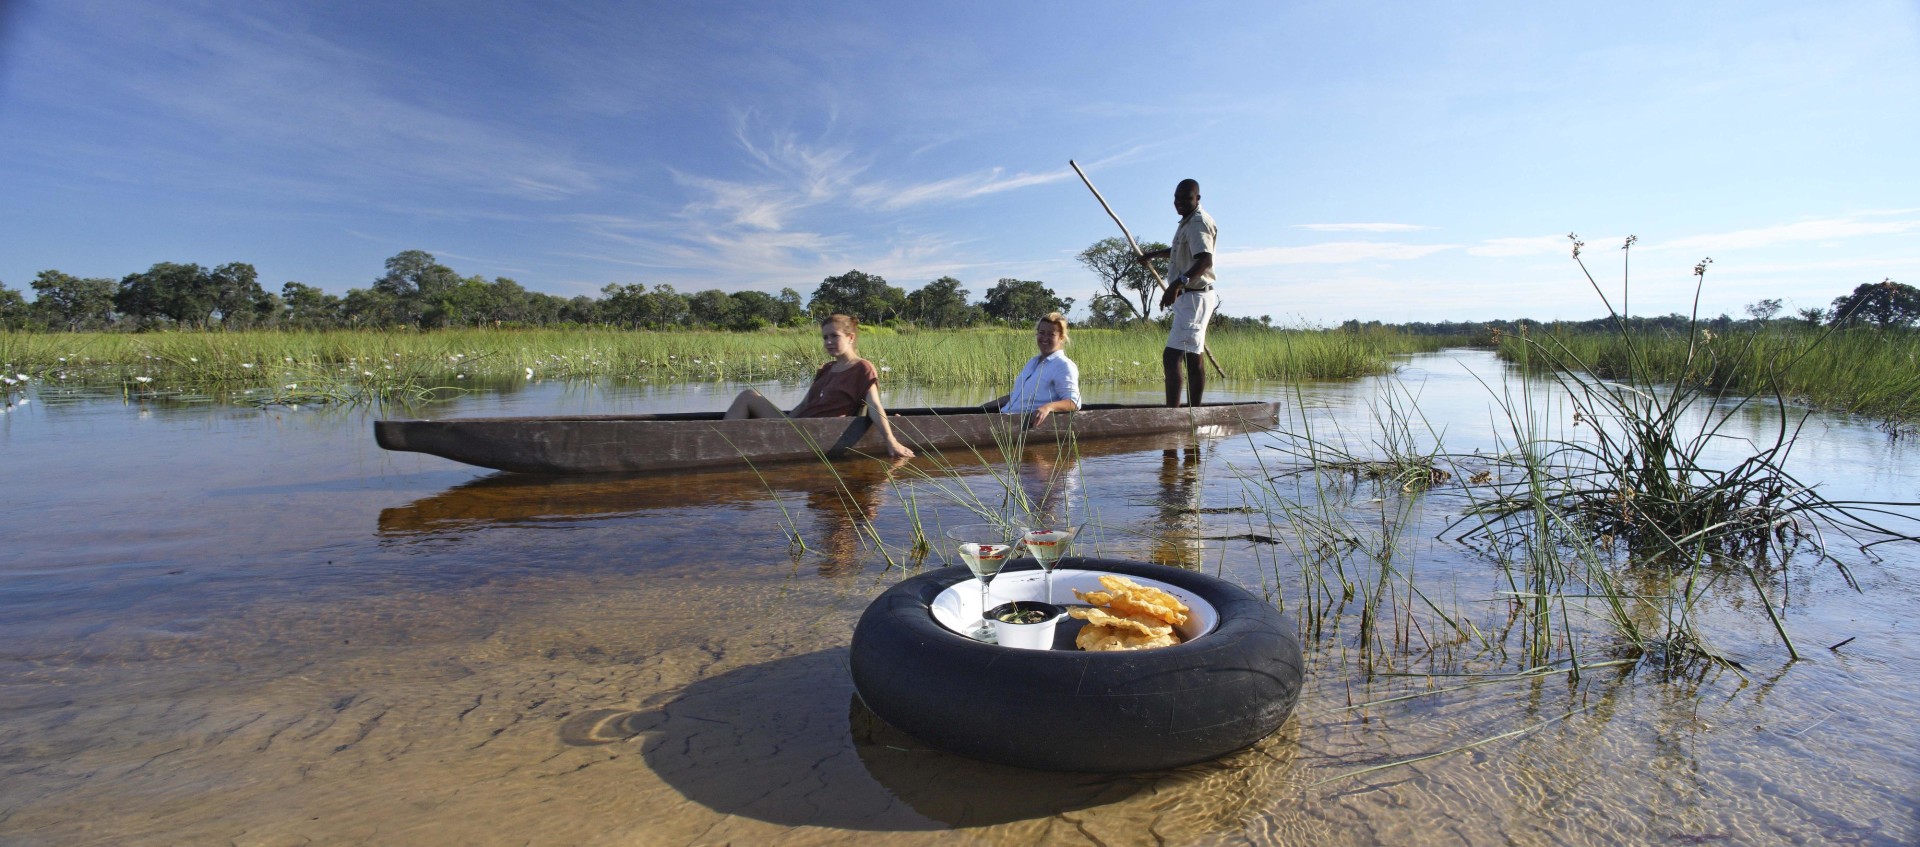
x=1394, y=162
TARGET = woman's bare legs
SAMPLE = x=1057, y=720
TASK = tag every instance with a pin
x=750, y=404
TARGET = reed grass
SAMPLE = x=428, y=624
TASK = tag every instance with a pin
x=1860, y=370
x=385, y=362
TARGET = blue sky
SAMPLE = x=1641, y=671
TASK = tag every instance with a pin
x=1373, y=161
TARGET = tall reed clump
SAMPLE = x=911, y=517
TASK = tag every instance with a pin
x=1645, y=468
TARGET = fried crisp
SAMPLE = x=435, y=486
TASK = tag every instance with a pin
x=1142, y=594
x=1131, y=598
x=1142, y=624
x=1104, y=638
x=1128, y=616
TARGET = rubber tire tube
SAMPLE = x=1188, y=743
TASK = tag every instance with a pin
x=1073, y=710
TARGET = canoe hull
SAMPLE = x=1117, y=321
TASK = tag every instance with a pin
x=678, y=442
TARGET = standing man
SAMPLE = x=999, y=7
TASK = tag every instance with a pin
x=1189, y=292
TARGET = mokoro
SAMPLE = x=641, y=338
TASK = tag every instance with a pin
x=702, y=440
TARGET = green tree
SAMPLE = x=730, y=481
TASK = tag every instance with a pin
x=13, y=308
x=664, y=308
x=68, y=301
x=1121, y=276
x=941, y=303
x=236, y=295
x=308, y=307
x=1763, y=310
x=623, y=305
x=1023, y=301
x=1887, y=303
x=793, y=311
x=1109, y=310
x=584, y=310
x=862, y=295
x=418, y=287
x=710, y=308
x=185, y=294
x=370, y=307
x=754, y=309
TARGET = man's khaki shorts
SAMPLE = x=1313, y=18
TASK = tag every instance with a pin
x=1190, y=316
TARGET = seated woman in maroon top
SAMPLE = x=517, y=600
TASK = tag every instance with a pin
x=839, y=390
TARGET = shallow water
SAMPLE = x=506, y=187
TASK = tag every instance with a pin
x=226, y=625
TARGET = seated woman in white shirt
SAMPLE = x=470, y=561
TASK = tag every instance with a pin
x=1049, y=383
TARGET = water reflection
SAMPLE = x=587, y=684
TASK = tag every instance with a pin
x=1177, y=543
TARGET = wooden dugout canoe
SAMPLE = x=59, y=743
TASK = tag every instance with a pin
x=702, y=440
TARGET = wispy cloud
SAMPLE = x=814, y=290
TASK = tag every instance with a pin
x=295, y=100
x=1827, y=229
x=1362, y=227
x=887, y=198
x=1531, y=245
x=1332, y=252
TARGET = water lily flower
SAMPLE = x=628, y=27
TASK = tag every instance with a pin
x=23, y=377
x=143, y=379
x=529, y=373
x=246, y=364
x=367, y=373
x=292, y=385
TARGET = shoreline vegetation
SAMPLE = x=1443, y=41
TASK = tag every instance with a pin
x=1860, y=371
x=364, y=365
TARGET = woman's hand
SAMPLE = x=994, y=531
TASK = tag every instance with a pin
x=899, y=451
x=1039, y=417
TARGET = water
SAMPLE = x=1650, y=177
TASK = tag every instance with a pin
x=224, y=625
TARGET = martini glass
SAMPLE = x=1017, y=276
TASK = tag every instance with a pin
x=1048, y=543
x=985, y=548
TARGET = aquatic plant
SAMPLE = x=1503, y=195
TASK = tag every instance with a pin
x=390, y=363
x=1641, y=471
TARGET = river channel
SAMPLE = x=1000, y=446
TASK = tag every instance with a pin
x=229, y=625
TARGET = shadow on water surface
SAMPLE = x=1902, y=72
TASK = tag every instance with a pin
x=788, y=742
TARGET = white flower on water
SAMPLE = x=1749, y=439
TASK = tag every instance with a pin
x=366, y=373
x=143, y=379
x=192, y=359
x=246, y=364
x=885, y=369
x=8, y=380
x=459, y=376
x=529, y=373
x=292, y=385
x=22, y=377
x=289, y=358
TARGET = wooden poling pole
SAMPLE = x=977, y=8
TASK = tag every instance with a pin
x=1158, y=283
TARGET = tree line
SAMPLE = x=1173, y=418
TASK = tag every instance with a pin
x=1885, y=304
x=418, y=291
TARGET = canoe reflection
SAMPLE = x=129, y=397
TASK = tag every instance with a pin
x=836, y=494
